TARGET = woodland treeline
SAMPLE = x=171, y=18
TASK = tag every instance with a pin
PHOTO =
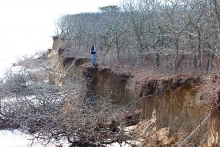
x=170, y=33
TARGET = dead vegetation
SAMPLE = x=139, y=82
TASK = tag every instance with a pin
x=159, y=100
x=37, y=106
x=83, y=109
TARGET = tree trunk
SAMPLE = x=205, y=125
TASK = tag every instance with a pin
x=104, y=53
x=68, y=38
x=176, y=56
x=103, y=58
x=188, y=63
x=139, y=51
x=173, y=64
x=217, y=13
x=194, y=59
x=117, y=49
x=165, y=59
x=157, y=60
x=209, y=63
x=210, y=57
x=199, y=49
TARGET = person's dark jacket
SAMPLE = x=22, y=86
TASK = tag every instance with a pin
x=93, y=50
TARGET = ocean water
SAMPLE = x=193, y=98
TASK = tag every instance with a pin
x=17, y=139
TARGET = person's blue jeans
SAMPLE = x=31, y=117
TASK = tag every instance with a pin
x=93, y=59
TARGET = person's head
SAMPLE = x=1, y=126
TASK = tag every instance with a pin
x=92, y=46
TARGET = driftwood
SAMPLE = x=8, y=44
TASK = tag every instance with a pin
x=193, y=132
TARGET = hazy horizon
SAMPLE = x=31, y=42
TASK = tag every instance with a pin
x=27, y=25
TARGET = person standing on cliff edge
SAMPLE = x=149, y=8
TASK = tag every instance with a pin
x=93, y=54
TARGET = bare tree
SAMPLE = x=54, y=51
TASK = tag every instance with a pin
x=137, y=11
x=182, y=30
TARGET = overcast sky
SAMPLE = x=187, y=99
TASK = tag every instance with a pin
x=26, y=25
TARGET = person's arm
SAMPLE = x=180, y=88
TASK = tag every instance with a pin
x=94, y=49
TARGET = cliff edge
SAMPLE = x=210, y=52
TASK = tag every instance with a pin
x=170, y=107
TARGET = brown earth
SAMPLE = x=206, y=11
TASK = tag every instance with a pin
x=170, y=107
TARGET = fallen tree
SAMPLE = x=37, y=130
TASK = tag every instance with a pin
x=36, y=106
